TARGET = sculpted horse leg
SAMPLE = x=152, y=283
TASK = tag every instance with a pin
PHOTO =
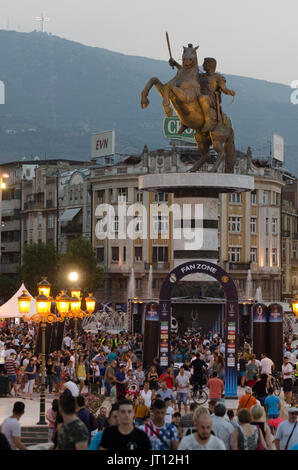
x=203, y=143
x=230, y=153
x=154, y=81
x=219, y=149
x=223, y=143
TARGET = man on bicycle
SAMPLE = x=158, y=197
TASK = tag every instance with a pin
x=199, y=367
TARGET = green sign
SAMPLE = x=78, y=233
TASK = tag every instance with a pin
x=171, y=127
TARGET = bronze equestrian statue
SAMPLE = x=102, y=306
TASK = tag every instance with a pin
x=196, y=98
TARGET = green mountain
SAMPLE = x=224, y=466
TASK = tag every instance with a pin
x=60, y=91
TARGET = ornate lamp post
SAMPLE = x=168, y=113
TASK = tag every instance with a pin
x=68, y=307
x=43, y=316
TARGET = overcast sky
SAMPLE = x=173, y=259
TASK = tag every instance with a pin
x=256, y=39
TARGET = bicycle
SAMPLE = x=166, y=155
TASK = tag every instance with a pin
x=199, y=396
x=276, y=385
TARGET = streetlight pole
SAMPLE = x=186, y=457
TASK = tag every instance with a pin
x=42, y=407
x=44, y=316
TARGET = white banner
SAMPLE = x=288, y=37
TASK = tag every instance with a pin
x=103, y=144
x=278, y=147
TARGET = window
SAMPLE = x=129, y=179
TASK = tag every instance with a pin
x=253, y=255
x=253, y=225
x=122, y=194
x=234, y=254
x=159, y=253
x=100, y=253
x=139, y=195
x=124, y=254
x=160, y=224
x=253, y=198
x=235, y=198
x=267, y=256
x=161, y=197
x=235, y=224
x=138, y=283
x=50, y=221
x=40, y=221
x=274, y=256
x=138, y=253
x=265, y=197
x=274, y=198
x=294, y=251
x=267, y=226
x=100, y=197
x=115, y=225
x=115, y=254
x=274, y=226
x=138, y=224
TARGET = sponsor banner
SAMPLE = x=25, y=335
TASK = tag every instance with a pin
x=275, y=313
x=231, y=362
x=152, y=312
x=259, y=313
x=231, y=350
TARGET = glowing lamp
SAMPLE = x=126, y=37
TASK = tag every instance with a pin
x=63, y=302
x=295, y=306
x=76, y=292
x=90, y=303
x=43, y=304
x=44, y=287
x=24, y=302
x=75, y=305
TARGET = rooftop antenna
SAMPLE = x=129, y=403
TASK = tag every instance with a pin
x=42, y=19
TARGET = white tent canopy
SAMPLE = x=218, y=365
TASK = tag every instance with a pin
x=11, y=308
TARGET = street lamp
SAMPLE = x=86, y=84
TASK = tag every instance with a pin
x=66, y=306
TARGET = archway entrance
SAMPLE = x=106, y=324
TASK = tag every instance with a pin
x=231, y=316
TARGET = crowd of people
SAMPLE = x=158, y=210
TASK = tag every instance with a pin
x=151, y=407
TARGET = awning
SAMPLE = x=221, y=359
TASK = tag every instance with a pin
x=69, y=214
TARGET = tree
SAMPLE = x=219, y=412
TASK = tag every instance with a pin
x=80, y=256
x=7, y=287
x=40, y=260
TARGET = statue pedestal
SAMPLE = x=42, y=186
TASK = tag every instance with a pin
x=194, y=236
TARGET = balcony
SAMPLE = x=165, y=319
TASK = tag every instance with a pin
x=72, y=228
x=31, y=205
x=286, y=233
x=158, y=266
x=233, y=266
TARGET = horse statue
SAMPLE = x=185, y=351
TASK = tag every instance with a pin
x=196, y=99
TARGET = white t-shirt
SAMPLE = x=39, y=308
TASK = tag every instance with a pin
x=266, y=365
x=147, y=397
x=182, y=380
x=11, y=428
x=286, y=369
x=169, y=412
x=190, y=443
x=283, y=432
x=8, y=352
x=67, y=341
x=71, y=386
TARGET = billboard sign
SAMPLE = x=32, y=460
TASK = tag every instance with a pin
x=103, y=144
x=278, y=147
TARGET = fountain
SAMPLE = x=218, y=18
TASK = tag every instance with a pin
x=249, y=285
x=259, y=297
x=149, y=287
x=131, y=291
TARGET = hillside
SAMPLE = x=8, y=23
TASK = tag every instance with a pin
x=59, y=91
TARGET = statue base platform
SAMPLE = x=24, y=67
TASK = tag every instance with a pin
x=196, y=184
